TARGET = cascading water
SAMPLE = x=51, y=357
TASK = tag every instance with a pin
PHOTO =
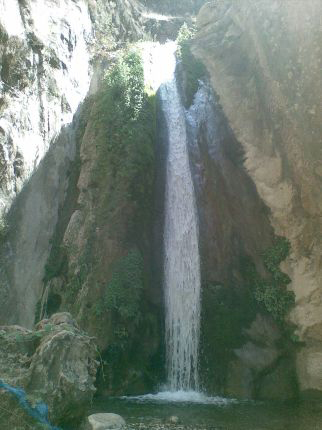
x=181, y=251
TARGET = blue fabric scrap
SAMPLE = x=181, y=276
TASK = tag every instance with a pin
x=39, y=412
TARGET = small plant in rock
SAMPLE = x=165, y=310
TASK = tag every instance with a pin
x=272, y=292
x=276, y=299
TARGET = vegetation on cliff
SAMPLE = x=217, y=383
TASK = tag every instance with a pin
x=124, y=291
x=126, y=120
x=104, y=280
x=271, y=293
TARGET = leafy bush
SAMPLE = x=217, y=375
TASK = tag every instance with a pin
x=125, y=85
x=272, y=293
x=274, y=256
x=276, y=299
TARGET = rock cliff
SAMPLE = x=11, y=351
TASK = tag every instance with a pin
x=264, y=60
x=48, y=53
x=79, y=202
x=68, y=222
x=45, y=74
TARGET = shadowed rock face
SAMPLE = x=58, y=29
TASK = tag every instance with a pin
x=241, y=345
x=264, y=61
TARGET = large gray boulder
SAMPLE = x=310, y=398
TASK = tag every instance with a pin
x=104, y=422
x=54, y=364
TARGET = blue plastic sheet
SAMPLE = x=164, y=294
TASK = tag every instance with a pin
x=39, y=412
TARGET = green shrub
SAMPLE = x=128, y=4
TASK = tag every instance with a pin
x=276, y=299
x=274, y=255
x=272, y=292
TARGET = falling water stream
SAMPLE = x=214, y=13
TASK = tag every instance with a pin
x=181, y=251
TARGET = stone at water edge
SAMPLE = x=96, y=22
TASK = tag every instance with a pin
x=173, y=419
x=104, y=421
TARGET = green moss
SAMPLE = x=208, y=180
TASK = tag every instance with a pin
x=124, y=291
x=193, y=68
x=124, y=302
x=126, y=123
x=228, y=310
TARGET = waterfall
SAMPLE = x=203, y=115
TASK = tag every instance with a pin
x=181, y=251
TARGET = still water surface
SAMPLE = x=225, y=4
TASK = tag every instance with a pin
x=153, y=413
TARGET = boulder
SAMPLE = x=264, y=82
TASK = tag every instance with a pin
x=53, y=365
x=174, y=419
x=104, y=421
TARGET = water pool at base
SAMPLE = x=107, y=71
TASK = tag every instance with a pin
x=152, y=412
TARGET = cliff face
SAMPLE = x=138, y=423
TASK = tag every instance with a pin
x=264, y=61
x=45, y=74
x=72, y=226
x=48, y=51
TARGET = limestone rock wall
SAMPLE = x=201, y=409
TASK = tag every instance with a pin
x=48, y=51
x=264, y=59
x=44, y=75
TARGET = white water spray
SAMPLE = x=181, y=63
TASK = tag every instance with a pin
x=181, y=251
x=182, y=264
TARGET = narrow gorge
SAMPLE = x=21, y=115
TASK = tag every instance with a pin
x=160, y=227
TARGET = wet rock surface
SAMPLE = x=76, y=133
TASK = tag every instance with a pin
x=239, y=342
